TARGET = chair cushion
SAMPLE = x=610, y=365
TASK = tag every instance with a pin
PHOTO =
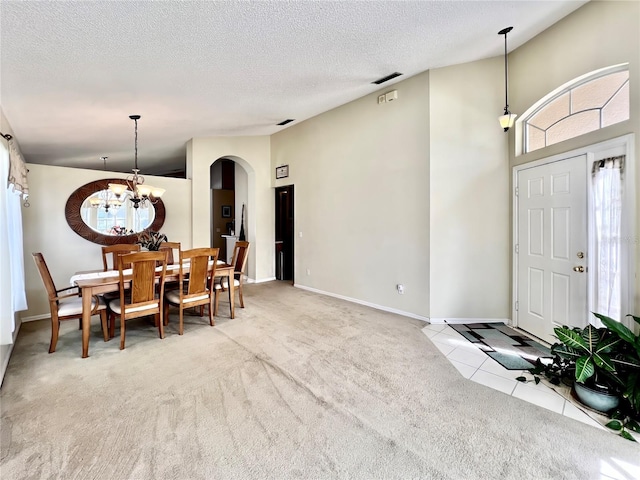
x=115, y=307
x=73, y=306
x=225, y=283
x=173, y=296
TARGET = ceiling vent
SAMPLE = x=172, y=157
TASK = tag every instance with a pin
x=387, y=78
x=284, y=122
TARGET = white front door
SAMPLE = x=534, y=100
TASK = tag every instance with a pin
x=552, y=247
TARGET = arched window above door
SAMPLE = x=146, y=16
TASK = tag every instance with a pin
x=588, y=103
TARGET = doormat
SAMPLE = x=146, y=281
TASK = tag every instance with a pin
x=502, y=343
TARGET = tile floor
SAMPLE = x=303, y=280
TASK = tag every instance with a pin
x=473, y=364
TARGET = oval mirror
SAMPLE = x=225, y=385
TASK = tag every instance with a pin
x=96, y=214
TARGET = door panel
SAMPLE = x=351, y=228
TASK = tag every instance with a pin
x=552, y=229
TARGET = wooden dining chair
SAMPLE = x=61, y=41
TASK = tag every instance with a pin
x=66, y=306
x=113, y=252
x=140, y=299
x=172, y=249
x=240, y=255
x=110, y=258
x=197, y=286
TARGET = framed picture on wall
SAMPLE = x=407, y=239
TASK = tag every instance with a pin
x=282, y=171
x=226, y=211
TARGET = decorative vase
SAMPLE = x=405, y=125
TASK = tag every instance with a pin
x=600, y=401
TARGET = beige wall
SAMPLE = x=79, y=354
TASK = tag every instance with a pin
x=600, y=34
x=46, y=229
x=470, y=229
x=361, y=176
x=242, y=197
x=252, y=154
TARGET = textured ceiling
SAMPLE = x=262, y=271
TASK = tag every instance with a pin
x=72, y=72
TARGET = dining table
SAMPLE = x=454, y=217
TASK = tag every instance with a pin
x=92, y=283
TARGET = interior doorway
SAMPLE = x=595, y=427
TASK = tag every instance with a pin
x=284, y=233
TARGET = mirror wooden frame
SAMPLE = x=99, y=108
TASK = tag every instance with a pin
x=74, y=217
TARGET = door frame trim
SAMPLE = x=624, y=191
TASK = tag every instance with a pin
x=626, y=144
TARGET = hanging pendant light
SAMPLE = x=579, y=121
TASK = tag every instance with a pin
x=507, y=119
x=141, y=194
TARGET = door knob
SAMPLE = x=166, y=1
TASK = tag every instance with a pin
x=579, y=268
x=580, y=254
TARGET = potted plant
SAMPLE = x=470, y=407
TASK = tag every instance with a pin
x=151, y=240
x=627, y=362
x=603, y=365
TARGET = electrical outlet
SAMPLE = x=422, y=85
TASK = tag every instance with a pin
x=308, y=271
x=400, y=288
x=382, y=98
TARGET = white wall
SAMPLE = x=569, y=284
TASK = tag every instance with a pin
x=470, y=236
x=597, y=35
x=252, y=154
x=46, y=229
x=241, y=186
x=361, y=176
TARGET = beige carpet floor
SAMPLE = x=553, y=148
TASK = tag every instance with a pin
x=298, y=386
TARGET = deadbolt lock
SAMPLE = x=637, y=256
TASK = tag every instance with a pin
x=579, y=268
x=580, y=254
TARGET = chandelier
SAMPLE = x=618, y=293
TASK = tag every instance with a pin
x=507, y=118
x=140, y=194
x=106, y=200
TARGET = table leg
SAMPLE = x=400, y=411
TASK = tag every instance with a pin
x=86, y=321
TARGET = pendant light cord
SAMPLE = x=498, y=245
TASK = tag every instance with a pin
x=504, y=32
x=136, y=131
x=506, y=76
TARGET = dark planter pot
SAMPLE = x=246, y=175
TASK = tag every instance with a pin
x=600, y=401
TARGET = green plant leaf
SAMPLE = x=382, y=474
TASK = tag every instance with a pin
x=633, y=425
x=637, y=319
x=614, y=425
x=570, y=338
x=632, y=392
x=567, y=353
x=606, y=344
x=584, y=369
x=537, y=380
x=603, y=361
x=591, y=336
x=522, y=379
x=627, y=435
x=627, y=360
x=620, y=329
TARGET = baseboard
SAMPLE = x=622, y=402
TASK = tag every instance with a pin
x=262, y=280
x=33, y=318
x=435, y=320
x=367, y=304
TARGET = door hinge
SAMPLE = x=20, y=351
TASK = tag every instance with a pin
x=517, y=247
x=517, y=191
x=517, y=306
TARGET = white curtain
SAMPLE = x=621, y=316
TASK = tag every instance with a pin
x=12, y=288
x=607, y=189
